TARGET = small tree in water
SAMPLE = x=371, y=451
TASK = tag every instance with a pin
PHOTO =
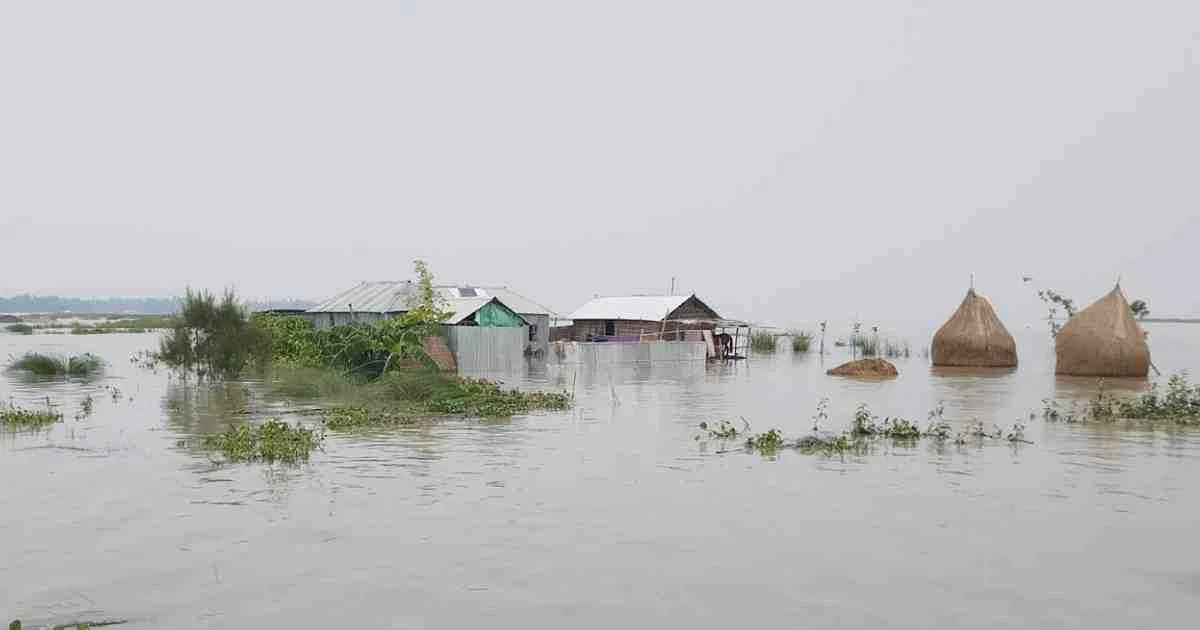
x=211, y=338
x=1140, y=309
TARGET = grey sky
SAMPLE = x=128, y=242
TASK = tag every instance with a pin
x=789, y=160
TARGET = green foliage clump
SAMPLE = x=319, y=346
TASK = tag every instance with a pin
x=20, y=418
x=213, y=339
x=766, y=443
x=360, y=349
x=479, y=397
x=39, y=364
x=271, y=441
x=868, y=346
x=839, y=443
x=801, y=340
x=1179, y=404
x=19, y=329
x=761, y=341
x=342, y=418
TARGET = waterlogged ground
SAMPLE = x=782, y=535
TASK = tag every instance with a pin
x=606, y=516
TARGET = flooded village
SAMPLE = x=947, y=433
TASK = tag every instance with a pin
x=554, y=315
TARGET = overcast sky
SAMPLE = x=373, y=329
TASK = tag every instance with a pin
x=788, y=161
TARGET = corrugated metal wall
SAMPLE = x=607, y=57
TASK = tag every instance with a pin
x=328, y=320
x=487, y=349
x=623, y=353
x=541, y=333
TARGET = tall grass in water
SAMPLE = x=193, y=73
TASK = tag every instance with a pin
x=19, y=328
x=867, y=345
x=896, y=350
x=801, y=340
x=17, y=417
x=762, y=341
x=38, y=364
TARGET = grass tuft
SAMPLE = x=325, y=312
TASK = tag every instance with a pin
x=17, y=417
x=762, y=341
x=39, y=364
x=801, y=340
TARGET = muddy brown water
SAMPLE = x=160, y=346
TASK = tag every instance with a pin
x=610, y=514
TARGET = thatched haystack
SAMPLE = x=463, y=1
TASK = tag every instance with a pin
x=1103, y=340
x=865, y=368
x=974, y=337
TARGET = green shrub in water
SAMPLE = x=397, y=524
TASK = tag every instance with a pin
x=20, y=329
x=17, y=417
x=271, y=441
x=39, y=364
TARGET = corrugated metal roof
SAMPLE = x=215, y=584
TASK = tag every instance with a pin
x=392, y=297
x=465, y=307
x=640, y=307
x=517, y=302
x=369, y=297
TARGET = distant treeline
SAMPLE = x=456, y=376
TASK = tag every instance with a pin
x=148, y=306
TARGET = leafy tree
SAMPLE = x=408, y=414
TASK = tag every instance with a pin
x=217, y=339
x=1140, y=309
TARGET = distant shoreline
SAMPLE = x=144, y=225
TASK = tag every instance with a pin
x=1171, y=320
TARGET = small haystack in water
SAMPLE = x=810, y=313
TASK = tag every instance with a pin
x=974, y=337
x=1103, y=340
x=865, y=368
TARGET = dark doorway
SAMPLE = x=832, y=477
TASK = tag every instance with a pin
x=610, y=328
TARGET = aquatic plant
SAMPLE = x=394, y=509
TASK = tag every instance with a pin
x=801, y=340
x=38, y=364
x=867, y=346
x=86, y=407
x=830, y=444
x=896, y=350
x=866, y=424
x=724, y=430
x=821, y=415
x=938, y=428
x=414, y=393
x=342, y=418
x=762, y=341
x=20, y=418
x=1179, y=405
x=19, y=328
x=271, y=441
x=130, y=324
x=766, y=443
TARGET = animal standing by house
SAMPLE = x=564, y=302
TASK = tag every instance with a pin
x=724, y=344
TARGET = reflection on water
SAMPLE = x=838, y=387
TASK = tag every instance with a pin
x=610, y=513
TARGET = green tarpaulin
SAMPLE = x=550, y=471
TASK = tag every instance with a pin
x=493, y=315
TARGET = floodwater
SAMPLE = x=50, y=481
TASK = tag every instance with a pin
x=609, y=515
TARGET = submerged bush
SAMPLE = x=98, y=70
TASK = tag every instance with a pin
x=19, y=328
x=17, y=417
x=271, y=441
x=801, y=340
x=39, y=364
x=211, y=338
x=762, y=341
x=1179, y=404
